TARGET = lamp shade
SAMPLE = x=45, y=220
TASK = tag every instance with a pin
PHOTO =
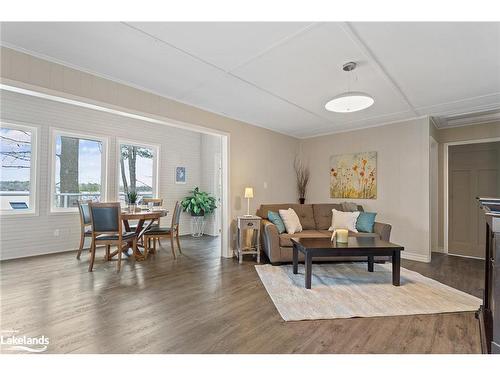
x=248, y=192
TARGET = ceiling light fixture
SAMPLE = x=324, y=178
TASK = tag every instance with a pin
x=350, y=101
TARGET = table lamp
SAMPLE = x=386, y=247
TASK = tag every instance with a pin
x=248, y=195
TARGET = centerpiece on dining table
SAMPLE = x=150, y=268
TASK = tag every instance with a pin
x=132, y=201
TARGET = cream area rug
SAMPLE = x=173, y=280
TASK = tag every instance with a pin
x=346, y=290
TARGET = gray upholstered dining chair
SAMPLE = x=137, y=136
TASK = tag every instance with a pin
x=85, y=225
x=107, y=229
x=155, y=233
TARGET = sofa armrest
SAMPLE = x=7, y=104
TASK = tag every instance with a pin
x=383, y=230
x=271, y=240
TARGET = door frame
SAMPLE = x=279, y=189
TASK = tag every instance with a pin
x=446, y=208
x=434, y=192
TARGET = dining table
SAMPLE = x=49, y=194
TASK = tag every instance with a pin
x=145, y=218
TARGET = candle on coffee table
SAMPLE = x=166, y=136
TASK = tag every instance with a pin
x=342, y=235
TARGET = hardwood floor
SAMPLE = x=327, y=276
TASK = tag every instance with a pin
x=201, y=303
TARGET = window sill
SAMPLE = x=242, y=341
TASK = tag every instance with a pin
x=64, y=212
x=14, y=214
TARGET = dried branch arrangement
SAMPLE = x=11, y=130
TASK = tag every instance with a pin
x=302, y=173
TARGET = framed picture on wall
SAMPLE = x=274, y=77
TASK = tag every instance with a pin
x=354, y=175
x=180, y=175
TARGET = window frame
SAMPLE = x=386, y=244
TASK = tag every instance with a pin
x=34, y=166
x=156, y=157
x=54, y=133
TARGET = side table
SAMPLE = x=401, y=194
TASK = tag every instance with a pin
x=245, y=224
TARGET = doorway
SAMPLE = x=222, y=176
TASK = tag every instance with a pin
x=473, y=171
x=222, y=137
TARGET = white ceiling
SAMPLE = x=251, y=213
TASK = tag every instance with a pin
x=280, y=75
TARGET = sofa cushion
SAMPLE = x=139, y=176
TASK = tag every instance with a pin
x=264, y=209
x=344, y=220
x=306, y=215
x=304, y=212
x=309, y=233
x=349, y=206
x=365, y=222
x=291, y=221
x=275, y=218
x=323, y=214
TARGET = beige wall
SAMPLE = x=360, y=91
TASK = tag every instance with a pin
x=458, y=134
x=403, y=177
x=258, y=157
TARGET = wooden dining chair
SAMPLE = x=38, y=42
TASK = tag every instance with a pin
x=85, y=224
x=157, y=202
x=107, y=230
x=164, y=232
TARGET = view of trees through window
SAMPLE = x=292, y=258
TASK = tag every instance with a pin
x=16, y=154
x=77, y=171
x=136, y=171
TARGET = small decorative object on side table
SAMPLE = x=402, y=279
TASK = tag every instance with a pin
x=244, y=224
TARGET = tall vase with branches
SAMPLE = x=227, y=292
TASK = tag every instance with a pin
x=302, y=174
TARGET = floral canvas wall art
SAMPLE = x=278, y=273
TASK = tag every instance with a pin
x=354, y=175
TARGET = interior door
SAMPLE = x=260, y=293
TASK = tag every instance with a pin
x=473, y=171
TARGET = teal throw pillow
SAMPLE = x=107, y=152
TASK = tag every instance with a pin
x=366, y=221
x=275, y=218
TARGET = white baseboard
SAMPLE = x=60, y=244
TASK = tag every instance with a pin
x=36, y=254
x=465, y=256
x=416, y=257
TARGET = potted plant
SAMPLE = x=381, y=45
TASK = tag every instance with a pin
x=302, y=174
x=132, y=201
x=198, y=204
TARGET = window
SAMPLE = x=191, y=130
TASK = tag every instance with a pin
x=18, y=173
x=79, y=170
x=137, y=170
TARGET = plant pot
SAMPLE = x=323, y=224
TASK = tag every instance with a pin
x=132, y=207
x=201, y=213
x=302, y=200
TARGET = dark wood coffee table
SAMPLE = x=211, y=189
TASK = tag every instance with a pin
x=356, y=246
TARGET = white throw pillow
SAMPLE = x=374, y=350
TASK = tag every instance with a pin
x=291, y=221
x=344, y=220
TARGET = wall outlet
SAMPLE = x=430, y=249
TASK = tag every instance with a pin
x=265, y=185
x=56, y=232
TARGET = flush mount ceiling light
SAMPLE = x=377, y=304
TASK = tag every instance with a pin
x=350, y=101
